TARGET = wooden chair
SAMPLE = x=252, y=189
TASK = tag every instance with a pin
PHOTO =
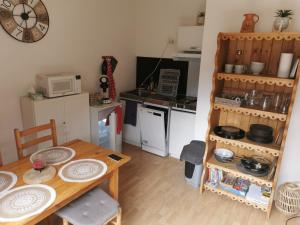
x=20, y=134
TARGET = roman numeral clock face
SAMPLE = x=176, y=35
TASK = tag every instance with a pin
x=25, y=20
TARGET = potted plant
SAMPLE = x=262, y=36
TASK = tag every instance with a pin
x=283, y=18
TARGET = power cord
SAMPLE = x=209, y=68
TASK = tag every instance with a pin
x=158, y=63
x=289, y=219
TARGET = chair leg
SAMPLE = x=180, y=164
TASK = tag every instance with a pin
x=119, y=217
x=50, y=220
x=65, y=222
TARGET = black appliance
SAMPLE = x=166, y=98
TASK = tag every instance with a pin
x=146, y=65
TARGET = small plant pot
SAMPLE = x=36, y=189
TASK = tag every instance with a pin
x=281, y=24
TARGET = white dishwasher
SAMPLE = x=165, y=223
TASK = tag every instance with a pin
x=154, y=128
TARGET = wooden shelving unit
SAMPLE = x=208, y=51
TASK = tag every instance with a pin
x=262, y=47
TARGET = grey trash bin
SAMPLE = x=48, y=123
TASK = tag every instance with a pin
x=193, y=154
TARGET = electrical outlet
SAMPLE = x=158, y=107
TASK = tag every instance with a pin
x=171, y=41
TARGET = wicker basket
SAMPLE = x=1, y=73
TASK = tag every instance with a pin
x=95, y=98
x=288, y=198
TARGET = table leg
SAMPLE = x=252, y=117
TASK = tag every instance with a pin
x=113, y=186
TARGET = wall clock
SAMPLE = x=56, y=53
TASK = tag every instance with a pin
x=25, y=20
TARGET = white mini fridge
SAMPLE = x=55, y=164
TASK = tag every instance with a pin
x=104, y=133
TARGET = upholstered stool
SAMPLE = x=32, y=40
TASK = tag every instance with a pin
x=94, y=208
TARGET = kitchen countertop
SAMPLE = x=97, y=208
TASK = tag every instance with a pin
x=184, y=102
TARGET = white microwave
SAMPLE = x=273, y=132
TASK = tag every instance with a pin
x=57, y=85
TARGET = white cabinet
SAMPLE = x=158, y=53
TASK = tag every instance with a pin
x=132, y=134
x=181, y=131
x=71, y=114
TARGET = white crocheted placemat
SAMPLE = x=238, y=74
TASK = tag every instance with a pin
x=25, y=201
x=7, y=181
x=54, y=155
x=82, y=170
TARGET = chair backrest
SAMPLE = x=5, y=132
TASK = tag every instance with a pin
x=20, y=134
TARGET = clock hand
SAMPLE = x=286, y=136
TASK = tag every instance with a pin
x=24, y=8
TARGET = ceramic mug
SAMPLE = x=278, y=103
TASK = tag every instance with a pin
x=229, y=68
x=257, y=67
x=239, y=69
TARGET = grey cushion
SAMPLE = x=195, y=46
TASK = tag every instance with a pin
x=93, y=208
x=193, y=152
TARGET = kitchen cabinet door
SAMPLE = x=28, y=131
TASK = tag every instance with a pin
x=181, y=131
x=51, y=109
x=71, y=115
x=77, y=117
x=132, y=134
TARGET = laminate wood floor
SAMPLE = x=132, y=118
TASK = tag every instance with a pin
x=153, y=192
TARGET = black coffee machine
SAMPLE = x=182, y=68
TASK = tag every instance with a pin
x=104, y=86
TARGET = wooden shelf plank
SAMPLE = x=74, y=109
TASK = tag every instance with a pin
x=232, y=169
x=261, y=36
x=235, y=197
x=261, y=79
x=247, y=144
x=251, y=112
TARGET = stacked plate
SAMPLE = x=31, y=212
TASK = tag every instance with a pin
x=229, y=132
x=260, y=133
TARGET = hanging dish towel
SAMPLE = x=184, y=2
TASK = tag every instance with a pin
x=130, y=113
x=119, y=122
x=118, y=111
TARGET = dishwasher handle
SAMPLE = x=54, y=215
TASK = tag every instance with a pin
x=154, y=113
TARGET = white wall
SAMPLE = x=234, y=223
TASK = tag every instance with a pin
x=227, y=16
x=157, y=21
x=80, y=33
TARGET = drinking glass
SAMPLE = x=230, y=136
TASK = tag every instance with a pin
x=251, y=98
x=285, y=104
x=277, y=101
x=266, y=102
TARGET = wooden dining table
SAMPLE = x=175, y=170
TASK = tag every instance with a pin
x=67, y=192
